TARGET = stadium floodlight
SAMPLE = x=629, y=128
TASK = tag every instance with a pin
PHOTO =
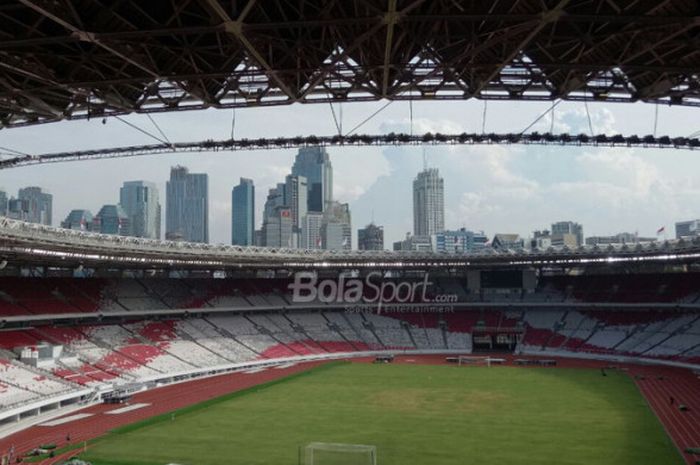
x=329, y=453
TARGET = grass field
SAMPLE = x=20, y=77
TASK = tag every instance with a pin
x=422, y=415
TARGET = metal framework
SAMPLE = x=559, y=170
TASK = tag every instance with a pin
x=69, y=59
x=30, y=244
x=580, y=140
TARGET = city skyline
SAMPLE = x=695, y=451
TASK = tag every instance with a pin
x=491, y=188
x=114, y=218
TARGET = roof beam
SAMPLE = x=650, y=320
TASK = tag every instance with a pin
x=390, y=18
x=235, y=28
x=86, y=36
x=546, y=18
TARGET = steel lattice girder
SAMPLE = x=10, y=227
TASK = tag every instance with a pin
x=68, y=59
x=357, y=140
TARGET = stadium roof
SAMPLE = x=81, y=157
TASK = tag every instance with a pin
x=30, y=244
x=63, y=59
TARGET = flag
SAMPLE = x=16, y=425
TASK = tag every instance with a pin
x=660, y=230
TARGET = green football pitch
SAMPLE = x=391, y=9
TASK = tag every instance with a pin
x=413, y=414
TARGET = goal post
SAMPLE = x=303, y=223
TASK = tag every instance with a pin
x=473, y=360
x=329, y=453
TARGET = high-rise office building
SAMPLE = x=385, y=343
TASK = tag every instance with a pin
x=687, y=228
x=139, y=199
x=562, y=228
x=371, y=237
x=314, y=164
x=275, y=198
x=243, y=213
x=311, y=231
x=295, y=197
x=18, y=209
x=34, y=206
x=336, y=227
x=270, y=230
x=3, y=203
x=80, y=220
x=112, y=219
x=187, y=206
x=428, y=203
x=278, y=228
x=459, y=241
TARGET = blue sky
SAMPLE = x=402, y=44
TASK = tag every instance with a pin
x=491, y=188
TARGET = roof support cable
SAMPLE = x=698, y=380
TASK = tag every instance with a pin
x=233, y=119
x=13, y=152
x=656, y=117
x=369, y=118
x=335, y=118
x=143, y=131
x=483, y=117
x=159, y=129
x=588, y=114
x=410, y=115
x=551, y=119
x=542, y=115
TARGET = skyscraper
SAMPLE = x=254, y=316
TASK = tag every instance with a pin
x=295, y=197
x=36, y=205
x=278, y=228
x=371, y=237
x=18, y=209
x=112, y=219
x=336, y=227
x=270, y=224
x=275, y=198
x=314, y=164
x=243, y=213
x=428, y=203
x=311, y=231
x=3, y=203
x=187, y=206
x=81, y=220
x=139, y=199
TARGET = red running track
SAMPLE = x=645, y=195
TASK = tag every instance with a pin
x=658, y=384
x=161, y=400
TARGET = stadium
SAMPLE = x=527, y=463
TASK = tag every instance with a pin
x=119, y=350
x=610, y=335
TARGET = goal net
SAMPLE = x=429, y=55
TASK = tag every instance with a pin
x=473, y=360
x=327, y=453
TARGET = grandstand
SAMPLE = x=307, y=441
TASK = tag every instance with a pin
x=115, y=331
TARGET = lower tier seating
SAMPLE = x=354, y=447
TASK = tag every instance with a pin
x=95, y=354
